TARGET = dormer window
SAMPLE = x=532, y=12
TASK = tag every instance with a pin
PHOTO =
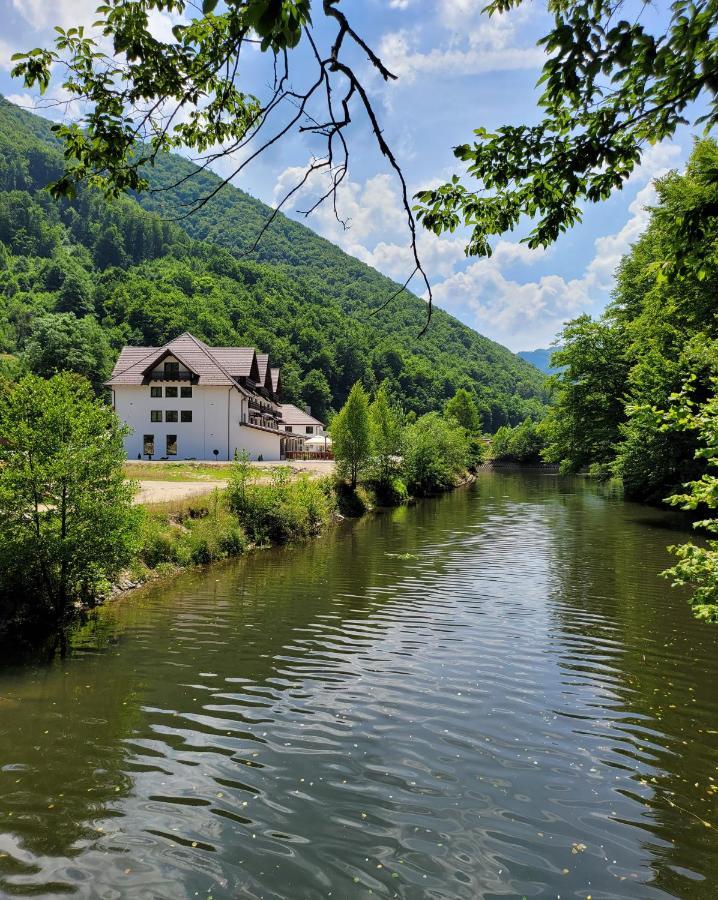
x=171, y=368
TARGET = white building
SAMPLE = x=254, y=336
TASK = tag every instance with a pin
x=190, y=401
x=299, y=426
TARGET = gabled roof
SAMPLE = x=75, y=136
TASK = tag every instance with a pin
x=292, y=415
x=135, y=364
x=240, y=362
x=265, y=376
x=276, y=382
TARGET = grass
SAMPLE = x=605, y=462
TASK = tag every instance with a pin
x=180, y=471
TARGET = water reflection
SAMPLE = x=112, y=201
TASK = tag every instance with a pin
x=486, y=695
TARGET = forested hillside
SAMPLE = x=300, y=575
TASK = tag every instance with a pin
x=80, y=278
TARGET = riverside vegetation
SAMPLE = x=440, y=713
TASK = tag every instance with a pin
x=634, y=397
x=69, y=529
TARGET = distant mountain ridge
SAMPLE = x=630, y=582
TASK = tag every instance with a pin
x=146, y=279
x=539, y=358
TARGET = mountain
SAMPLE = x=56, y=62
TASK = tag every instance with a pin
x=539, y=358
x=145, y=279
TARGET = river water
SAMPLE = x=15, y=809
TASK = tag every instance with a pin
x=487, y=695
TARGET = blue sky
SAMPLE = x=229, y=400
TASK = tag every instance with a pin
x=457, y=70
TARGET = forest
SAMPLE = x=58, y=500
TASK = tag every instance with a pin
x=81, y=277
x=622, y=374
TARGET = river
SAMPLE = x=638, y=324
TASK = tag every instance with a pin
x=490, y=694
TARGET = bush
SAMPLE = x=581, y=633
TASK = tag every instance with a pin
x=191, y=535
x=522, y=444
x=436, y=452
x=281, y=511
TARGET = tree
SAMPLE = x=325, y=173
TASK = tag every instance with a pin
x=611, y=87
x=144, y=97
x=386, y=437
x=76, y=295
x=317, y=393
x=351, y=435
x=436, y=452
x=697, y=565
x=67, y=523
x=522, y=444
x=63, y=343
x=462, y=408
x=582, y=428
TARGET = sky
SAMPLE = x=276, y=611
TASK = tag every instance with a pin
x=457, y=70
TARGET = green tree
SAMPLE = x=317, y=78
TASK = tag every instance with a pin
x=351, y=435
x=589, y=138
x=63, y=343
x=386, y=437
x=317, y=393
x=582, y=428
x=463, y=408
x=67, y=523
x=436, y=452
x=75, y=295
x=697, y=565
x=523, y=443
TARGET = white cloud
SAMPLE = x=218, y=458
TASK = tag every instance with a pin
x=6, y=51
x=64, y=13
x=529, y=314
x=488, y=48
x=520, y=314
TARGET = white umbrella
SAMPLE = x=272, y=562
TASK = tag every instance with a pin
x=319, y=441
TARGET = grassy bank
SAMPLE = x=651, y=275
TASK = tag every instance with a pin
x=258, y=509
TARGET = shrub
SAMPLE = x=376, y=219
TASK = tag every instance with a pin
x=281, y=511
x=436, y=452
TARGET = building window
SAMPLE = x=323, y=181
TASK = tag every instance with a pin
x=171, y=368
x=171, y=415
x=287, y=427
x=148, y=445
x=186, y=415
x=185, y=393
x=171, y=445
x=155, y=392
x=170, y=392
x=310, y=429
x=155, y=415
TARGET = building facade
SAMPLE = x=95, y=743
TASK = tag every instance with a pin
x=299, y=426
x=187, y=400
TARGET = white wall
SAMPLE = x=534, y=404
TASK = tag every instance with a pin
x=216, y=415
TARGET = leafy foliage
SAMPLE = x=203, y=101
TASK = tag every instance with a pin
x=436, y=452
x=67, y=525
x=659, y=331
x=282, y=511
x=697, y=565
x=525, y=443
x=611, y=86
x=386, y=436
x=462, y=408
x=351, y=432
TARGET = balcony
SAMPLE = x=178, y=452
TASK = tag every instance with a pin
x=182, y=375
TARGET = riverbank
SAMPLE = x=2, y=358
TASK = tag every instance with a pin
x=252, y=513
